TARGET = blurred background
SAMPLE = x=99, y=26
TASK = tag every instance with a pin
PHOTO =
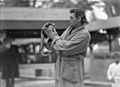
x=23, y=19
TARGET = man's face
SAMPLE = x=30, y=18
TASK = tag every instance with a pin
x=2, y=37
x=73, y=20
x=117, y=58
x=8, y=45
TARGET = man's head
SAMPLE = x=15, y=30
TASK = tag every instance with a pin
x=2, y=36
x=77, y=16
x=116, y=57
x=8, y=42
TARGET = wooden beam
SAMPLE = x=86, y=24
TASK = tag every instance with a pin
x=26, y=25
x=34, y=18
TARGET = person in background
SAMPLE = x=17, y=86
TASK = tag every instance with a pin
x=113, y=72
x=71, y=47
x=10, y=59
x=2, y=38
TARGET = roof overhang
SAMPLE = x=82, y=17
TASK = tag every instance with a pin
x=34, y=18
x=110, y=23
x=29, y=25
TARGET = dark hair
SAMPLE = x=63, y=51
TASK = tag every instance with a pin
x=116, y=55
x=2, y=32
x=79, y=12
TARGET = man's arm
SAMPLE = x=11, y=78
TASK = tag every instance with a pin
x=77, y=44
x=109, y=73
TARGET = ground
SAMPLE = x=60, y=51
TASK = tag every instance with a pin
x=31, y=82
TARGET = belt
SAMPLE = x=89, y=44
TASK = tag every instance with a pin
x=74, y=57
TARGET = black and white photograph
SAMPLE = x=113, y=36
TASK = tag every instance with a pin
x=59, y=43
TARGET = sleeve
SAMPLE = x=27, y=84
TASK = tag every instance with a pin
x=77, y=44
x=16, y=53
x=109, y=75
x=1, y=59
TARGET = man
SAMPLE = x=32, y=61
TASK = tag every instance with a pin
x=113, y=72
x=9, y=63
x=72, y=47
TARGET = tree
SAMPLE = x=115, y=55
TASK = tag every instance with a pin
x=113, y=7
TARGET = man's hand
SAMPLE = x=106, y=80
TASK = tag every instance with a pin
x=50, y=33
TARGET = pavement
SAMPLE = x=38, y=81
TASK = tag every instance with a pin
x=45, y=82
x=31, y=82
x=28, y=77
x=35, y=83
